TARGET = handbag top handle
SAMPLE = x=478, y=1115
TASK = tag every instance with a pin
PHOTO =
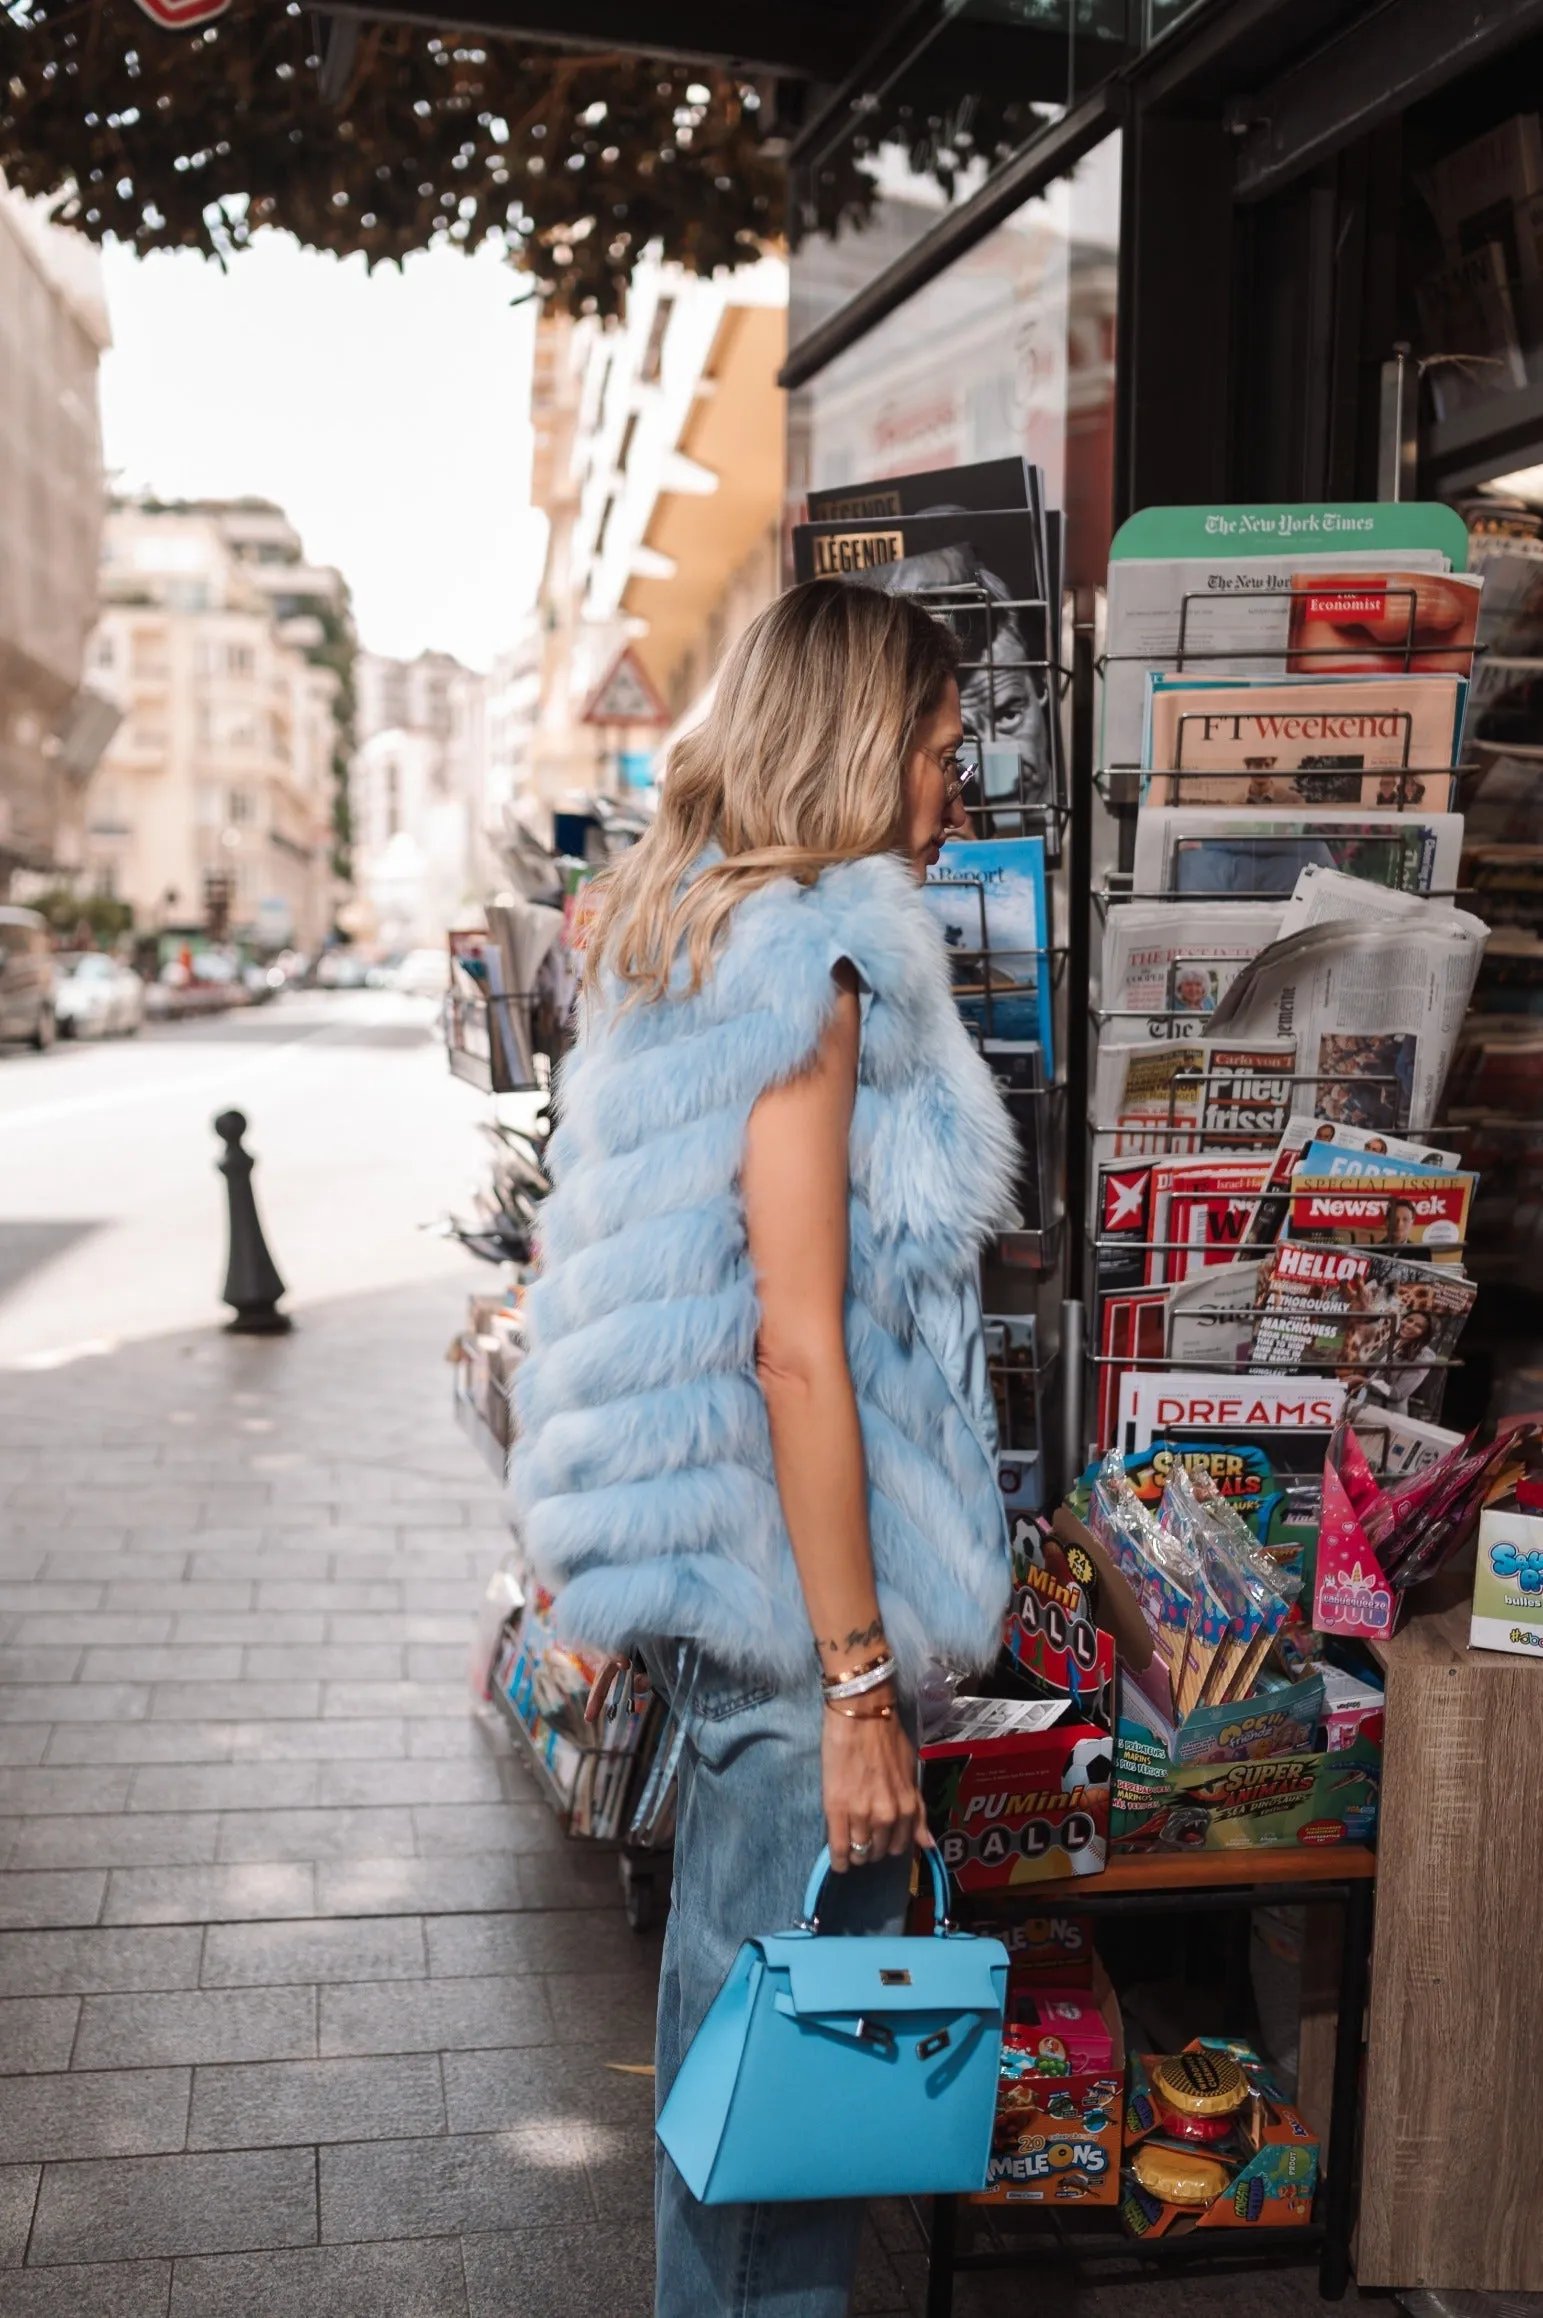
x=941, y=1927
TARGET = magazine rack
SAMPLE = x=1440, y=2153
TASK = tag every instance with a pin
x=488, y=1042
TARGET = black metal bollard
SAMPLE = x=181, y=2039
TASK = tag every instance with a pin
x=252, y=1283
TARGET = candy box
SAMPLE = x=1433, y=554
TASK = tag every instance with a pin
x=1057, y=2136
x=1017, y=1792
x=1265, y=2167
x=1508, y=1583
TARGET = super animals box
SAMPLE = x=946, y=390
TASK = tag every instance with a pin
x=1017, y=1792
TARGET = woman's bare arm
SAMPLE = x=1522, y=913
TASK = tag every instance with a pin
x=795, y=1186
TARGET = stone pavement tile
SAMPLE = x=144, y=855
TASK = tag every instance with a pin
x=81, y=1565
x=268, y=1955
x=395, y=1887
x=412, y=1699
x=33, y=1598
x=401, y=2280
x=340, y=1662
x=200, y=1895
x=133, y=2207
x=180, y=1599
x=500, y=2092
x=58, y=1790
x=471, y=1830
x=36, y=2033
x=438, y=1626
x=273, y=1628
x=19, y=1562
x=196, y=1663
x=579, y=1940
x=104, y=2290
x=370, y=1628
x=268, y=2103
x=333, y=1834
x=443, y=1738
x=75, y=1702
x=615, y=2009
x=83, y=1536
x=196, y=2025
x=45, y=1663
x=457, y=2182
x=120, y=1629
x=152, y=1839
x=110, y=2113
x=23, y=1742
x=91, y=1962
x=311, y=1740
x=246, y=1701
x=433, y=2015
x=225, y=1787
x=34, y=1901
x=18, y=2196
x=458, y=1594
x=619, y=2160
x=571, y=1878
x=466, y=1781
x=437, y=1661
x=286, y=1594
x=210, y=1565
x=551, y=2273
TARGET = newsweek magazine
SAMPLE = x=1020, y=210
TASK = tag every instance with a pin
x=1418, y=1217
x=1385, y=1326
x=1379, y=742
x=986, y=571
x=1354, y=1145
x=1259, y=854
x=1165, y=968
x=987, y=896
x=1374, y=1007
x=1237, y=615
x=1182, y=1097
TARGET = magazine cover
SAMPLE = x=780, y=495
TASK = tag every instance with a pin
x=1382, y=742
x=1177, y=1097
x=1210, y=1318
x=1018, y=1066
x=1201, y=1216
x=1356, y=1146
x=983, y=485
x=1164, y=969
x=1343, y=625
x=1259, y=855
x=1423, y=1218
x=988, y=897
x=1288, y=1419
x=1385, y=1326
x=969, y=560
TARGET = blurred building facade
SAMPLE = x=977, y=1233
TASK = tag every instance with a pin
x=659, y=466
x=53, y=329
x=418, y=788
x=213, y=804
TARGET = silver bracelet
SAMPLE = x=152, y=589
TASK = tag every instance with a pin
x=861, y=1684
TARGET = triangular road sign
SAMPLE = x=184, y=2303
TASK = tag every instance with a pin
x=625, y=694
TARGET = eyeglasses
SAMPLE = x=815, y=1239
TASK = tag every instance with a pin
x=960, y=768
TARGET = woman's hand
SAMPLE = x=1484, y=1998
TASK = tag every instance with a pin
x=868, y=1772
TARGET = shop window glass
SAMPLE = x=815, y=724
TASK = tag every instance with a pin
x=1010, y=350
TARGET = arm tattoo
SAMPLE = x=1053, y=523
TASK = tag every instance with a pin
x=859, y=1636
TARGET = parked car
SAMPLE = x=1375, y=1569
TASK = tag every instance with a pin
x=422, y=974
x=26, y=977
x=97, y=997
x=340, y=969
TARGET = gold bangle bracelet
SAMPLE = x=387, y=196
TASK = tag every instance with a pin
x=862, y=1713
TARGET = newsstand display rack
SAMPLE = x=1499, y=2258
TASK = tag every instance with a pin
x=1216, y=1883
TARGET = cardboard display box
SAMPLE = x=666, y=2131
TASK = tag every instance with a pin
x=1057, y=2138
x=1270, y=2158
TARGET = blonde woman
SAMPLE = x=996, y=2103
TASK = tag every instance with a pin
x=756, y=1435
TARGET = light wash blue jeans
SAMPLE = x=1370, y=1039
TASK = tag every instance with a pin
x=749, y=1824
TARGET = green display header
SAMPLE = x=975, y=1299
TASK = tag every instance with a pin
x=1368, y=526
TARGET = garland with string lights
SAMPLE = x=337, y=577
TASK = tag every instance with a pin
x=385, y=139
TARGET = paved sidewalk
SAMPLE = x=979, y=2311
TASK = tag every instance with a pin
x=306, y=2010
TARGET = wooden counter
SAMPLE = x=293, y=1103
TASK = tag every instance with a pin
x=1452, y=2170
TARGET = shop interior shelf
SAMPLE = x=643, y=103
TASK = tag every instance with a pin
x=1195, y=1871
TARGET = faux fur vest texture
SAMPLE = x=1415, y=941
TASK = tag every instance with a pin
x=642, y=1479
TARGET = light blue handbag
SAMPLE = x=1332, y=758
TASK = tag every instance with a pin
x=834, y=2067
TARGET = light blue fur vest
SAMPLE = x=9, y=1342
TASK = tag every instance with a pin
x=642, y=1480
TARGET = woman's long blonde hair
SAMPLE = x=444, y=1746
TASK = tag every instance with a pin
x=799, y=763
